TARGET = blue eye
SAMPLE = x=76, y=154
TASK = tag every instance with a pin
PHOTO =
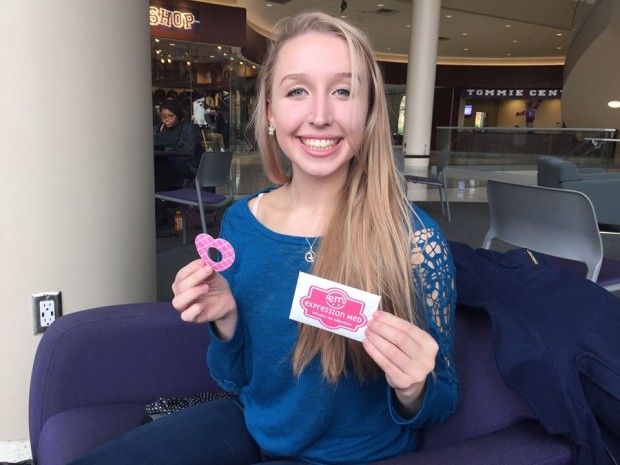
x=297, y=92
x=343, y=92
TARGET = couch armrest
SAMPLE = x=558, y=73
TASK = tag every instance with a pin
x=603, y=192
x=525, y=443
x=149, y=350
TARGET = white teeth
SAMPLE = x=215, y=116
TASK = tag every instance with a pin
x=320, y=143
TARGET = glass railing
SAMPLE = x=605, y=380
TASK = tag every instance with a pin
x=583, y=10
x=517, y=149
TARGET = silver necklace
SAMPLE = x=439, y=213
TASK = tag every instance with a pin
x=310, y=254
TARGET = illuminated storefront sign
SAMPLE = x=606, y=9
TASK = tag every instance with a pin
x=177, y=19
x=500, y=93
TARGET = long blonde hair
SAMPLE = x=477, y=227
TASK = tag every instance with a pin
x=367, y=245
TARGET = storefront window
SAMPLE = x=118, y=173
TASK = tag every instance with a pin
x=214, y=84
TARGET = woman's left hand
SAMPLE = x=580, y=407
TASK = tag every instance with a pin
x=405, y=353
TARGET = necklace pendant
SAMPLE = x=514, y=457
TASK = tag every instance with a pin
x=310, y=256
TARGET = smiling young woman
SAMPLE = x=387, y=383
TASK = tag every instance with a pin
x=307, y=395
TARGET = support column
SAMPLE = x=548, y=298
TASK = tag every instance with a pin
x=421, y=80
x=76, y=176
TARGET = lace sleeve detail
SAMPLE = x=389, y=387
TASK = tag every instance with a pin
x=434, y=281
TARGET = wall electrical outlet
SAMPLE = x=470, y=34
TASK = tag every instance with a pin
x=46, y=307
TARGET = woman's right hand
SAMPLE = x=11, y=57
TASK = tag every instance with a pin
x=201, y=295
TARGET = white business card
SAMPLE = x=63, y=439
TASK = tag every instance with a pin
x=333, y=306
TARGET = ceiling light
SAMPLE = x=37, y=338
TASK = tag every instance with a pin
x=172, y=44
x=614, y=104
x=466, y=49
x=515, y=41
x=269, y=4
x=156, y=40
x=219, y=47
x=465, y=33
x=559, y=34
x=558, y=48
x=508, y=25
x=448, y=16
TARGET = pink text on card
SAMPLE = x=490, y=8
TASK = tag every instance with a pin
x=334, y=308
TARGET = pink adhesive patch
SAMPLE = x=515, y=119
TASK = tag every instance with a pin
x=204, y=242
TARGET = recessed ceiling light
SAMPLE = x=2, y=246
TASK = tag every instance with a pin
x=509, y=54
x=466, y=49
x=508, y=25
x=448, y=16
x=465, y=33
x=515, y=41
x=380, y=5
x=559, y=34
x=269, y=4
x=614, y=104
x=408, y=25
x=558, y=48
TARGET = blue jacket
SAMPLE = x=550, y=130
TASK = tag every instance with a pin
x=557, y=342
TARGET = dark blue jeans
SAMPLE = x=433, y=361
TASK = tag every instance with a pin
x=209, y=433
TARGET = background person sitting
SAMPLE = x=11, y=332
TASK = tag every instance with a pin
x=173, y=134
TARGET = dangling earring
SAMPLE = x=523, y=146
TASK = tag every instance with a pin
x=271, y=130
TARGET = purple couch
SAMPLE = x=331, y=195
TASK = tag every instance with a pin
x=95, y=371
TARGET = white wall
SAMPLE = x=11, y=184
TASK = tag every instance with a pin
x=76, y=170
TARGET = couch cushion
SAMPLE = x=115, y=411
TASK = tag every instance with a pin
x=525, y=443
x=486, y=403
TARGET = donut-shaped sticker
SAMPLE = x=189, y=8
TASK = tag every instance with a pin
x=204, y=242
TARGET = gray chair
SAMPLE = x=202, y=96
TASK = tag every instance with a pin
x=601, y=187
x=213, y=172
x=439, y=181
x=559, y=223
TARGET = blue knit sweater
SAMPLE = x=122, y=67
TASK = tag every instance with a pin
x=307, y=418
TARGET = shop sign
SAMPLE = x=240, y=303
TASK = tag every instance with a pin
x=177, y=19
x=506, y=93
